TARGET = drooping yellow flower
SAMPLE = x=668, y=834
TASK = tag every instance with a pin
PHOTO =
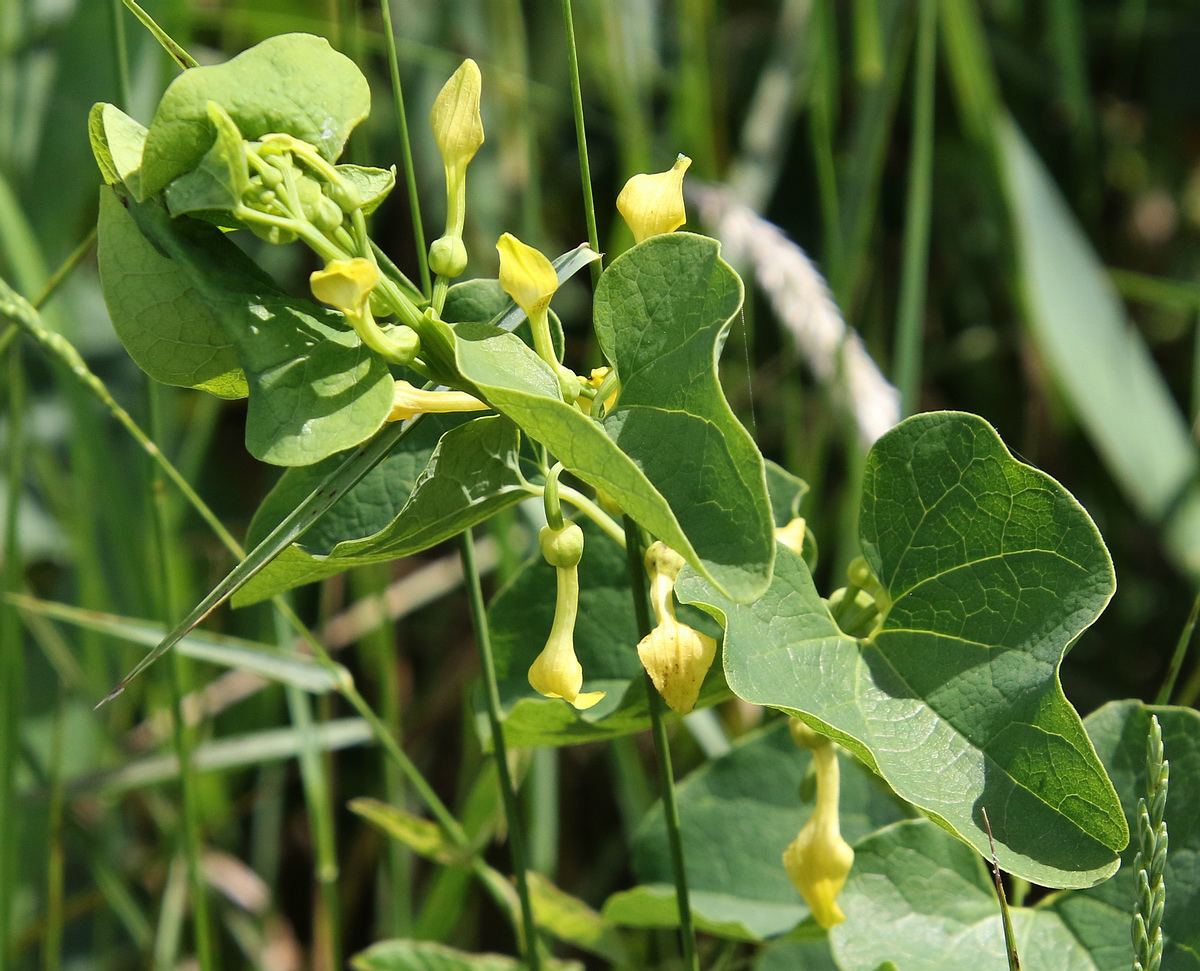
x=557, y=673
x=457, y=125
x=408, y=401
x=345, y=284
x=818, y=860
x=676, y=656
x=652, y=204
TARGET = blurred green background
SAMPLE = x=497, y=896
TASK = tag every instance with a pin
x=1003, y=195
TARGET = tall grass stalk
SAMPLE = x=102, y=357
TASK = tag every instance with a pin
x=662, y=748
x=516, y=832
x=406, y=157
x=910, y=325
x=585, y=169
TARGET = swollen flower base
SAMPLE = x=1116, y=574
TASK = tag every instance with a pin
x=557, y=672
x=676, y=656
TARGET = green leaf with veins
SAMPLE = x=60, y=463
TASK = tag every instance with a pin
x=920, y=898
x=314, y=388
x=670, y=454
x=293, y=83
x=413, y=500
x=166, y=326
x=992, y=570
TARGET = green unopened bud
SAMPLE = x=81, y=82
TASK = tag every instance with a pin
x=448, y=256
x=561, y=547
x=457, y=125
x=344, y=195
x=653, y=204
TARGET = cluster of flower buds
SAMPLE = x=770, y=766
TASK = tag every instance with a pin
x=676, y=656
x=819, y=860
x=557, y=672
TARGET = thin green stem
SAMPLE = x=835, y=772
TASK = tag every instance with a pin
x=410, y=178
x=585, y=169
x=168, y=43
x=60, y=275
x=52, y=938
x=1010, y=940
x=516, y=832
x=910, y=325
x=1181, y=647
x=641, y=608
x=120, y=53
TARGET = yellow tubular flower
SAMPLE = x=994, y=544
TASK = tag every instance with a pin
x=819, y=860
x=408, y=401
x=345, y=284
x=653, y=204
x=529, y=278
x=557, y=673
x=676, y=656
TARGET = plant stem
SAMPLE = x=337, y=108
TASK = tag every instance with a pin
x=410, y=177
x=516, y=833
x=641, y=608
x=1181, y=646
x=585, y=169
x=910, y=325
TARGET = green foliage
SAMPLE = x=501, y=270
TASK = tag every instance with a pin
x=988, y=570
x=936, y=667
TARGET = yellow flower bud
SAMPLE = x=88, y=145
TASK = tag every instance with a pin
x=457, y=126
x=557, y=673
x=526, y=275
x=819, y=860
x=792, y=535
x=676, y=656
x=345, y=284
x=653, y=204
x=408, y=401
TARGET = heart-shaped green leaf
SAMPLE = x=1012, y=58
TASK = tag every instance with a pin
x=293, y=83
x=922, y=899
x=314, y=388
x=436, y=484
x=739, y=812
x=168, y=329
x=991, y=569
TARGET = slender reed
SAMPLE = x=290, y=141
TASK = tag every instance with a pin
x=662, y=748
x=911, y=317
x=585, y=169
x=516, y=832
x=410, y=176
